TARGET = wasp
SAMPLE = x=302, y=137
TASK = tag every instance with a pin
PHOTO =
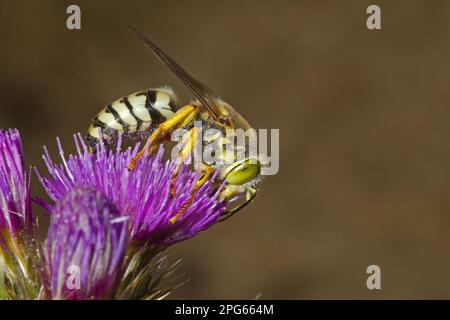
x=153, y=112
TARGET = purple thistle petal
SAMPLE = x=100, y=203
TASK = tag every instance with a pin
x=15, y=200
x=85, y=247
x=142, y=193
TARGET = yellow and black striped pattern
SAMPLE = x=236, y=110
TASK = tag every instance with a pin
x=132, y=115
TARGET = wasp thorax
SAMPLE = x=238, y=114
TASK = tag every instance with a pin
x=226, y=122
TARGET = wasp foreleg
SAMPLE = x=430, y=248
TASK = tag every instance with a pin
x=181, y=118
x=206, y=173
x=188, y=146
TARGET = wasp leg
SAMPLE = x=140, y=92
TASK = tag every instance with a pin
x=188, y=145
x=228, y=192
x=207, y=171
x=180, y=119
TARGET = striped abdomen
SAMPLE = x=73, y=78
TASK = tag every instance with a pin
x=132, y=115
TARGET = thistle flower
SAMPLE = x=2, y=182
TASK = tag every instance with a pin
x=15, y=204
x=18, y=248
x=109, y=225
x=85, y=247
x=143, y=193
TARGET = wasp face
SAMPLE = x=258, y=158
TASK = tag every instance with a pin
x=242, y=178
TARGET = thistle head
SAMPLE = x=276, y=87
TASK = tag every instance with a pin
x=143, y=194
x=85, y=247
x=15, y=203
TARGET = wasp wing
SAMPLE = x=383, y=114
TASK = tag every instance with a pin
x=200, y=90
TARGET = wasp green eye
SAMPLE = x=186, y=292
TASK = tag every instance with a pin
x=242, y=171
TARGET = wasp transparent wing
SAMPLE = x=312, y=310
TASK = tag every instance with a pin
x=200, y=90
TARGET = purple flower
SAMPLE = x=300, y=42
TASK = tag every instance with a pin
x=142, y=193
x=85, y=247
x=15, y=203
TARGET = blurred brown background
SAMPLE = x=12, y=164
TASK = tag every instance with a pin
x=363, y=117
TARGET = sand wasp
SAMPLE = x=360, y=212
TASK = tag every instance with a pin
x=154, y=112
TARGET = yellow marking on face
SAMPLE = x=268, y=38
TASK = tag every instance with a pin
x=229, y=191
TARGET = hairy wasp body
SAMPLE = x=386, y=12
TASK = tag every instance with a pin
x=134, y=115
x=153, y=113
